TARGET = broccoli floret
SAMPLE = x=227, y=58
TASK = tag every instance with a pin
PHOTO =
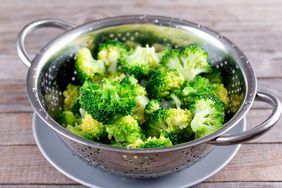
x=169, y=122
x=199, y=86
x=214, y=76
x=151, y=107
x=162, y=82
x=176, y=100
x=191, y=89
x=151, y=142
x=141, y=100
x=179, y=136
x=78, y=132
x=140, y=61
x=95, y=129
x=116, y=76
x=110, y=99
x=71, y=102
x=188, y=62
x=208, y=115
x=110, y=52
x=87, y=67
x=221, y=93
x=138, y=111
x=67, y=118
x=124, y=130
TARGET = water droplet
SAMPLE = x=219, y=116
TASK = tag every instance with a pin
x=251, y=94
x=247, y=62
x=156, y=21
x=219, y=36
x=242, y=57
x=199, y=25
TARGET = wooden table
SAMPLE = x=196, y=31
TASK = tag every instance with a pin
x=255, y=26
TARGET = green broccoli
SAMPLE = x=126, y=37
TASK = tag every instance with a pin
x=78, y=132
x=110, y=52
x=221, y=93
x=109, y=100
x=71, y=101
x=176, y=100
x=214, y=76
x=191, y=89
x=144, y=97
x=67, y=118
x=96, y=130
x=125, y=130
x=170, y=123
x=139, y=62
x=87, y=67
x=162, y=82
x=188, y=62
x=151, y=142
x=208, y=115
x=138, y=110
x=151, y=107
x=116, y=76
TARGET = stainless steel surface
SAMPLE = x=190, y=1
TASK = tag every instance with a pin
x=258, y=130
x=33, y=26
x=52, y=69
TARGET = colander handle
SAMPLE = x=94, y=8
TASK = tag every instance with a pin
x=33, y=26
x=258, y=130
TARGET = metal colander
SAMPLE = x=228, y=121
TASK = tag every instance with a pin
x=53, y=68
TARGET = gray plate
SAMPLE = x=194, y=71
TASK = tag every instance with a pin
x=54, y=150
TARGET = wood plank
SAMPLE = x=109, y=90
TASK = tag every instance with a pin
x=201, y=185
x=16, y=128
x=240, y=185
x=25, y=164
x=261, y=61
x=258, y=162
x=41, y=186
x=13, y=96
x=243, y=22
x=22, y=164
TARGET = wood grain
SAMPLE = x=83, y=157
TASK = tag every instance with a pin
x=202, y=185
x=13, y=96
x=251, y=26
x=16, y=128
x=254, y=25
x=246, y=166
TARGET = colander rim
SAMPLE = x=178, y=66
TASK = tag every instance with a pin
x=34, y=72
